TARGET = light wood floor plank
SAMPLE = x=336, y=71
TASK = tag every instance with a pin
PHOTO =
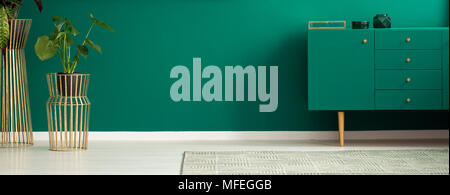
x=162, y=157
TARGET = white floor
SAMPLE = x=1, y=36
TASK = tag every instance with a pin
x=150, y=157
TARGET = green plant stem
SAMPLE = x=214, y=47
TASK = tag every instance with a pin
x=74, y=66
x=64, y=49
x=68, y=56
x=87, y=35
x=62, y=62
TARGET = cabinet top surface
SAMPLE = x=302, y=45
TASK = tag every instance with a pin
x=391, y=29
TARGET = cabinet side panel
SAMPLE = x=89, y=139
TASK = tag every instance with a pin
x=445, y=69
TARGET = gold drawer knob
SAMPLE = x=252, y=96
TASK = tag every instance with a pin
x=408, y=80
x=408, y=60
x=408, y=100
x=408, y=40
x=365, y=41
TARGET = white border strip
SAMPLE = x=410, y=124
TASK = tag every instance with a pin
x=258, y=135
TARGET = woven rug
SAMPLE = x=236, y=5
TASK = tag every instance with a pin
x=361, y=162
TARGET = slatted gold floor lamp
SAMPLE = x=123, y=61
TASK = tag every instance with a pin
x=16, y=118
x=68, y=110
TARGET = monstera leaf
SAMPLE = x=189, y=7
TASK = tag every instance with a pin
x=94, y=46
x=84, y=51
x=4, y=28
x=100, y=23
x=62, y=38
x=45, y=48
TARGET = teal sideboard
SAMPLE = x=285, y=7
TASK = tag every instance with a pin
x=377, y=69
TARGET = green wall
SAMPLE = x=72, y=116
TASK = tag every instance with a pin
x=130, y=80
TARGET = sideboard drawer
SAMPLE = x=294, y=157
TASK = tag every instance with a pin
x=408, y=39
x=408, y=59
x=408, y=79
x=408, y=100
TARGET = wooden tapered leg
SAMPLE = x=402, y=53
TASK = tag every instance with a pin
x=341, y=116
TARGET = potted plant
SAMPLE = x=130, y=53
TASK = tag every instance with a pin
x=68, y=107
x=8, y=13
x=14, y=84
x=60, y=43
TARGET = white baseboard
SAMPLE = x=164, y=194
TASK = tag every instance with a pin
x=258, y=135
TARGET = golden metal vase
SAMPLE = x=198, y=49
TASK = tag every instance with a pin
x=16, y=124
x=68, y=110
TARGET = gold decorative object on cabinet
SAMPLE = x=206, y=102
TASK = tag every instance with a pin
x=327, y=24
x=68, y=110
x=16, y=124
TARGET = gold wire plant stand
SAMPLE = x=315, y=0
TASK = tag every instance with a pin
x=68, y=110
x=16, y=124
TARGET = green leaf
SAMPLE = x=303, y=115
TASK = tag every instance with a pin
x=59, y=22
x=54, y=34
x=93, y=45
x=4, y=28
x=60, y=35
x=17, y=3
x=84, y=51
x=69, y=41
x=61, y=38
x=45, y=48
x=100, y=23
x=71, y=28
x=56, y=19
x=75, y=60
x=11, y=12
x=74, y=63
